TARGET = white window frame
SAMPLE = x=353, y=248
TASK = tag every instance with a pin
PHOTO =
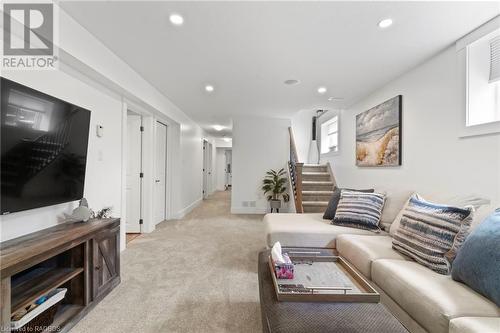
x=462, y=48
x=331, y=115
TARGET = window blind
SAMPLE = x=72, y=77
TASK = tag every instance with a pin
x=495, y=59
x=332, y=126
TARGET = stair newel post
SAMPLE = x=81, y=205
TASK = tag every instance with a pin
x=298, y=187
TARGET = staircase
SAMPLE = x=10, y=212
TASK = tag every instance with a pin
x=317, y=187
x=312, y=184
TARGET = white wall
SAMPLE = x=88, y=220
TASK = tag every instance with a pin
x=302, y=132
x=259, y=144
x=435, y=159
x=221, y=143
x=92, y=76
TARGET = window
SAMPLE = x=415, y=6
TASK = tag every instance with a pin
x=330, y=135
x=483, y=80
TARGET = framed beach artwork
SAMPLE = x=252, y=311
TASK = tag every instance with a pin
x=378, y=135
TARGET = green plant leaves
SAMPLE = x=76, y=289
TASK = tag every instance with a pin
x=275, y=183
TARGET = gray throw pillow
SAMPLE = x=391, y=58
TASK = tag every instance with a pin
x=477, y=263
x=331, y=209
x=359, y=210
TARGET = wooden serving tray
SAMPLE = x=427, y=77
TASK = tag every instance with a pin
x=323, y=278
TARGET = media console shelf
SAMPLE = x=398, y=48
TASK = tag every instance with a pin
x=82, y=257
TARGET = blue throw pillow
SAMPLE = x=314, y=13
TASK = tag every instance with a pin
x=477, y=263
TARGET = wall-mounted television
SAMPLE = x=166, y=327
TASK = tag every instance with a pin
x=43, y=149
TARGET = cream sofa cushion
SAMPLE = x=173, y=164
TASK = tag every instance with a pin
x=305, y=230
x=362, y=250
x=395, y=224
x=394, y=202
x=430, y=298
x=475, y=325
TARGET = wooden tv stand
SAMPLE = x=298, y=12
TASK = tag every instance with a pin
x=82, y=257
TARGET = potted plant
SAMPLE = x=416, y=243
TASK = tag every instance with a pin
x=274, y=187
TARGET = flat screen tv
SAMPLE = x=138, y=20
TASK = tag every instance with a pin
x=43, y=149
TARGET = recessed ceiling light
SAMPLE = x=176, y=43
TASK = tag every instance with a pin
x=335, y=98
x=176, y=19
x=226, y=139
x=209, y=88
x=385, y=23
x=321, y=90
x=218, y=128
x=291, y=82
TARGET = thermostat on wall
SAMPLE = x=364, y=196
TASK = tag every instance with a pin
x=100, y=131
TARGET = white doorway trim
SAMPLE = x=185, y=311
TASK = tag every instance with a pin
x=228, y=169
x=207, y=169
x=149, y=117
x=160, y=190
x=204, y=187
x=133, y=217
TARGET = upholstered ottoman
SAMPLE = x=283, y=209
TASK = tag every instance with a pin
x=297, y=317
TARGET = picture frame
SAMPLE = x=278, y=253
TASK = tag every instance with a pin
x=379, y=135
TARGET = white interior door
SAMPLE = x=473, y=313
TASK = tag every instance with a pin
x=209, y=169
x=133, y=186
x=205, y=169
x=161, y=176
x=229, y=167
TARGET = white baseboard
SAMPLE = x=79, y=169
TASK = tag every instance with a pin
x=248, y=210
x=183, y=212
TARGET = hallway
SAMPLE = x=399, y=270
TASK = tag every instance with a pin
x=197, y=274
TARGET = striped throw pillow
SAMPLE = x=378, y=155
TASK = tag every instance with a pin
x=359, y=210
x=428, y=232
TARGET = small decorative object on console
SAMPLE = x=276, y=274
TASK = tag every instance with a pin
x=103, y=213
x=283, y=266
x=82, y=212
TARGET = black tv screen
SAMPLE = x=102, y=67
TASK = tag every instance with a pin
x=43, y=149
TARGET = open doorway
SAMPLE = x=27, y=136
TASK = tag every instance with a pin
x=160, y=189
x=223, y=169
x=134, y=174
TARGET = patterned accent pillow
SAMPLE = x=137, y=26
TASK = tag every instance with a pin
x=359, y=210
x=428, y=233
x=331, y=209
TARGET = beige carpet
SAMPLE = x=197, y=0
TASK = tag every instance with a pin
x=198, y=274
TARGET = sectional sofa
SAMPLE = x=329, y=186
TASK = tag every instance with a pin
x=422, y=300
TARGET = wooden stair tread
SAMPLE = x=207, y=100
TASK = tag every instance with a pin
x=319, y=182
x=309, y=165
x=314, y=203
x=316, y=192
x=315, y=173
